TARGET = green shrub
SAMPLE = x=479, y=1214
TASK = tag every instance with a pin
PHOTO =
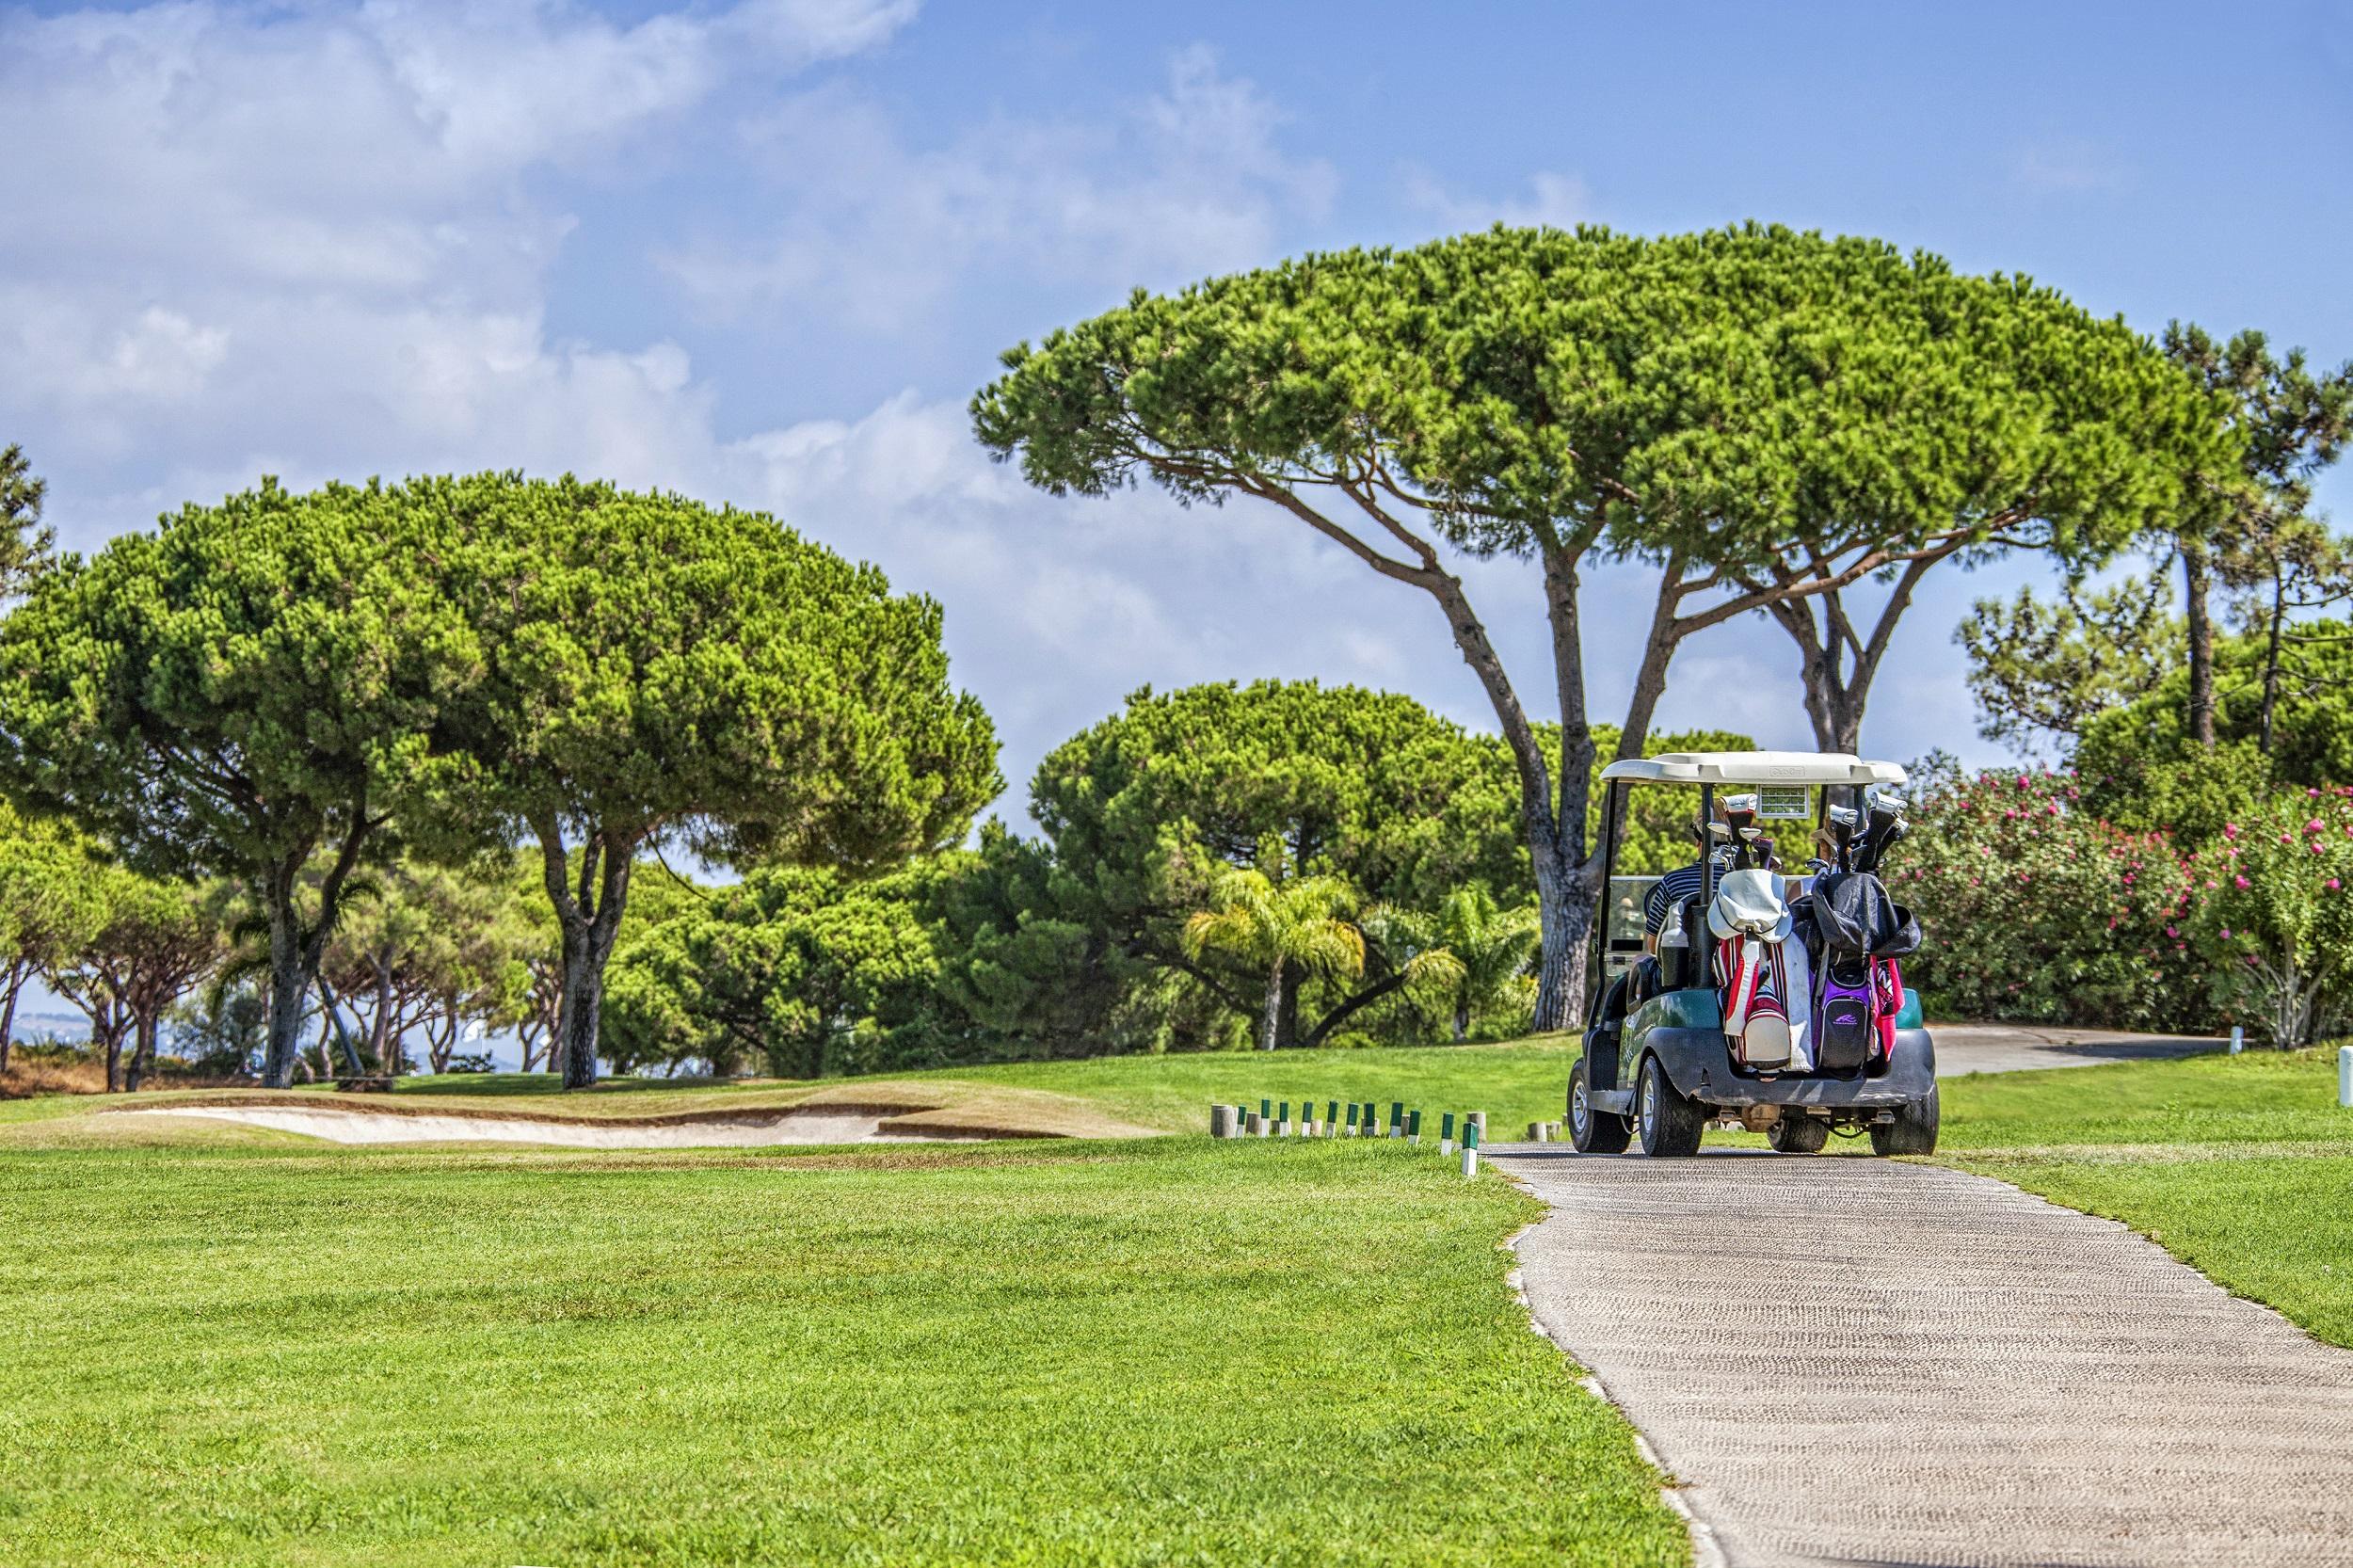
x=2036, y=909
x=2276, y=920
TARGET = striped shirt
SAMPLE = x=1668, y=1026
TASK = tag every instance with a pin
x=1668, y=893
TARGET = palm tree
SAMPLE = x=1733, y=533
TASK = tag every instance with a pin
x=1277, y=926
x=1490, y=945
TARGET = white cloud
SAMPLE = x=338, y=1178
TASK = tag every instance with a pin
x=1551, y=201
x=317, y=227
x=1193, y=180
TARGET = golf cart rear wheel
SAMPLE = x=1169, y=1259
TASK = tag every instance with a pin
x=1798, y=1135
x=1913, y=1132
x=1593, y=1131
x=1670, y=1125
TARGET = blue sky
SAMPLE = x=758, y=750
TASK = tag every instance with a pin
x=764, y=252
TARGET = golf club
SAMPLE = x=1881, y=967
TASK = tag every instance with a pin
x=1741, y=815
x=1842, y=825
x=1886, y=824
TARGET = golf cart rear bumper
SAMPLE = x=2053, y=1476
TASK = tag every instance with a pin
x=1699, y=1065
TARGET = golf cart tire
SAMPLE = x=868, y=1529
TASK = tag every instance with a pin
x=1596, y=1131
x=1797, y=1134
x=1913, y=1132
x=1669, y=1124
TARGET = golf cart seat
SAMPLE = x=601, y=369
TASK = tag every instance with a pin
x=1645, y=979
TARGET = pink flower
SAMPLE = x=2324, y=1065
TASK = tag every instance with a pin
x=2171, y=932
x=2333, y=884
x=2229, y=830
x=2226, y=933
x=2313, y=826
x=2238, y=882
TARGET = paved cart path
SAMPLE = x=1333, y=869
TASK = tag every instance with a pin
x=1860, y=1361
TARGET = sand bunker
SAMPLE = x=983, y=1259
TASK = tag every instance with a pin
x=816, y=1125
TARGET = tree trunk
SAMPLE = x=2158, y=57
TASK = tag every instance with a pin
x=1462, y=1022
x=384, y=1042
x=289, y=996
x=142, y=1055
x=1565, y=899
x=1555, y=833
x=2271, y=656
x=114, y=1059
x=332, y=1022
x=1270, y=1031
x=1844, y=733
x=590, y=918
x=8, y=1013
x=442, y=1043
x=1836, y=664
x=1287, y=1021
x=295, y=954
x=2197, y=576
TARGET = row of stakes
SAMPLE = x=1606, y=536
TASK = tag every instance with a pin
x=1273, y=1119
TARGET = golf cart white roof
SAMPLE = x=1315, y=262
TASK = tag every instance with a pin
x=1753, y=767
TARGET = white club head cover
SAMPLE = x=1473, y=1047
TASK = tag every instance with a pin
x=1749, y=904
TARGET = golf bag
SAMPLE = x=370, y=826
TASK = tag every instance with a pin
x=1856, y=933
x=1761, y=975
x=1846, y=1022
x=1753, y=977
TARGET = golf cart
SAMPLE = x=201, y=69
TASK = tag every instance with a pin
x=1772, y=1004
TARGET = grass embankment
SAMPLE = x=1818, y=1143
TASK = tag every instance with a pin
x=2242, y=1166
x=1104, y=1097
x=246, y=1348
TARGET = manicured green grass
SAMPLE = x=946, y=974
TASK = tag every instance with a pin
x=2263, y=1096
x=254, y=1351
x=2242, y=1166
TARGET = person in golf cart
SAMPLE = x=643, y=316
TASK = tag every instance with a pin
x=1667, y=894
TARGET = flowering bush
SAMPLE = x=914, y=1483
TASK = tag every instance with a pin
x=2276, y=911
x=2035, y=909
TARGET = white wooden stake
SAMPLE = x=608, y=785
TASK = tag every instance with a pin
x=2345, y=1076
x=2238, y=1038
x=1470, y=1161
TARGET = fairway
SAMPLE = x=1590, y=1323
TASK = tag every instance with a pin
x=221, y=1344
x=246, y=1349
